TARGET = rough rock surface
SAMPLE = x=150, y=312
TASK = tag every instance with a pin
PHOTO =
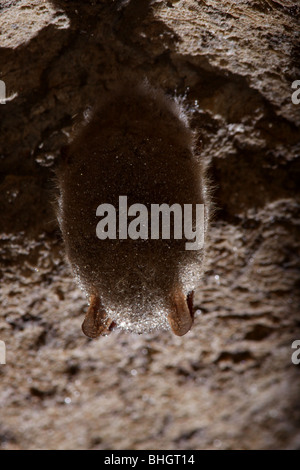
x=230, y=382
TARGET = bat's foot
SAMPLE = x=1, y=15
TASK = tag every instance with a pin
x=96, y=322
x=181, y=316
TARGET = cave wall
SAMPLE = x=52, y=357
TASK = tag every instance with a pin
x=229, y=383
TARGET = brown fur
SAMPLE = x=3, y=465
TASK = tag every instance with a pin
x=138, y=144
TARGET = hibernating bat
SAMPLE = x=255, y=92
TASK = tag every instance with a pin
x=136, y=143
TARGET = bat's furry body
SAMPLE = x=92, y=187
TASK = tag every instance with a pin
x=136, y=143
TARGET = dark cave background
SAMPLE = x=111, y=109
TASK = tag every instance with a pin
x=230, y=382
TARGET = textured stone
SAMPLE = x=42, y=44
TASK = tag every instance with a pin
x=229, y=383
